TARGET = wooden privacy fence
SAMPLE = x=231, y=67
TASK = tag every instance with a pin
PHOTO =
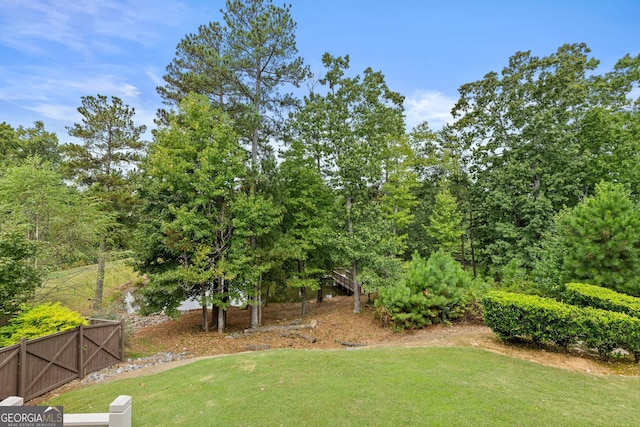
x=34, y=367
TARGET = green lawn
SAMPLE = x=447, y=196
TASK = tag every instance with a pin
x=370, y=387
x=75, y=287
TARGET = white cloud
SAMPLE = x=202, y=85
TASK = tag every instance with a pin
x=63, y=113
x=103, y=85
x=434, y=107
x=84, y=25
x=44, y=83
x=156, y=78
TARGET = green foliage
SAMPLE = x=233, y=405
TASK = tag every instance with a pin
x=600, y=240
x=19, y=276
x=38, y=321
x=597, y=241
x=584, y=295
x=189, y=188
x=512, y=315
x=445, y=222
x=239, y=64
x=8, y=143
x=305, y=199
x=431, y=291
x=515, y=277
x=607, y=330
x=538, y=145
x=103, y=164
x=547, y=272
x=111, y=143
x=254, y=217
x=17, y=145
x=542, y=320
x=355, y=133
x=64, y=223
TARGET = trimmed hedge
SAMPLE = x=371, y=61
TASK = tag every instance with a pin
x=584, y=295
x=545, y=320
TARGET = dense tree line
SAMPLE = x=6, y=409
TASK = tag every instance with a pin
x=246, y=187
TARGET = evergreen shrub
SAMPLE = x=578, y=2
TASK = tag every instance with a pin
x=585, y=295
x=431, y=291
x=545, y=320
x=540, y=319
x=38, y=321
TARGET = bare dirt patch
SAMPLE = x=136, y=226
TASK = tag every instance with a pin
x=337, y=325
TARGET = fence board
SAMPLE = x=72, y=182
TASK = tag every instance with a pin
x=9, y=364
x=101, y=346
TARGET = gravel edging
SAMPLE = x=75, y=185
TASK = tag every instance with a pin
x=131, y=365
x=135, y=322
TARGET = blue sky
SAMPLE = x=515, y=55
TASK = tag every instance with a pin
x=52, y=52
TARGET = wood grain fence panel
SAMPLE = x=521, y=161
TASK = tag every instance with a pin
x=101, y=343
x=9, y=363
x=50, y=362
x=34, y=367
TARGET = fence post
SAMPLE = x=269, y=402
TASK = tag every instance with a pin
x=80, y=351
x=120, y=412
x=12, y=401
x=22, y=380
x=121, y=339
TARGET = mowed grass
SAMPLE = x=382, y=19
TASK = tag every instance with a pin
x=370, y=387
x=75, y=287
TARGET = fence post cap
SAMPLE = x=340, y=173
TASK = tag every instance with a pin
x=12, y=401
x=121, y=403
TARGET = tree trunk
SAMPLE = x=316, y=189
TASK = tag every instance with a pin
x=260, y=300
x=102, y=258
x=356, y=288
x=205, y=315
x=303, y=298
x=266, y=295
x=255, y=316
x=303, y=291
x=222, y=320
x=354, y=267
x=205, y=318
x=222, y=314
x=462, y=250
x=473, y=256
x=214, y=316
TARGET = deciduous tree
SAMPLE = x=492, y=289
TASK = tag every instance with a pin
x=19, y=277
x=64, y=224
x=241, y=64
x=353, y=126
x=523, y=126
x=189, y=184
